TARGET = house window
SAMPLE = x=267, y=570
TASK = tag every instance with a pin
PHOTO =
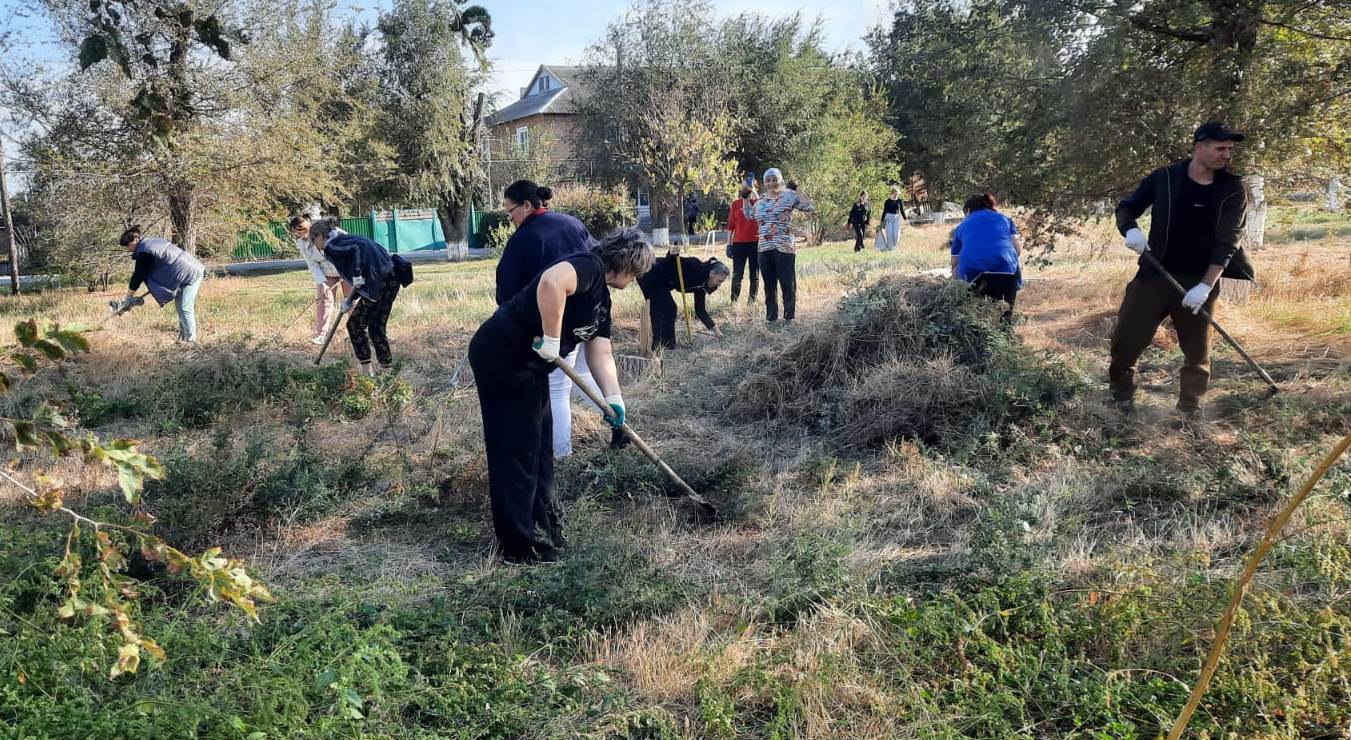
x=544, y=83
x=523, y=138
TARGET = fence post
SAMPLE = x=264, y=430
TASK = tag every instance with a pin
x=394, y=230
x=374, y=223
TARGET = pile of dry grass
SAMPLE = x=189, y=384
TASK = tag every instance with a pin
x=915, y=358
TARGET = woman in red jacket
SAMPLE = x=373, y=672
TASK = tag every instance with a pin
x=745, y=243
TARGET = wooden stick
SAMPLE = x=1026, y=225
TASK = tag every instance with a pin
x=684, y=298
x=328, y=338
x=638, y=442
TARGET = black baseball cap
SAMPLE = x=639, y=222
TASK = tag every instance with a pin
x=1216, y=131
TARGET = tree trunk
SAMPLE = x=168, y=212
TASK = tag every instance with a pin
x=1335, y=194
x=1237, y=292
x=9, y=227
x=454, y=218
x=183, y=214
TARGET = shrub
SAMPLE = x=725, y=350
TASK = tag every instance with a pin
x=600, y=210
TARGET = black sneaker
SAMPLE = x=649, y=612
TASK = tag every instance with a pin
x=546, y=555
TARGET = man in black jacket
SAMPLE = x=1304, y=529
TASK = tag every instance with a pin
x=1199, y=208
x=859, y=218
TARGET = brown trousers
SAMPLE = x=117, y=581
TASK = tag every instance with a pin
x=1148, y=301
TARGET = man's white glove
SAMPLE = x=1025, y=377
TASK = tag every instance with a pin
x=547, y=347
x=1136, y=241
x=1196, y=297
x=358, y=281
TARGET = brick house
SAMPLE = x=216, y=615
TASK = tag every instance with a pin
x=547, y=109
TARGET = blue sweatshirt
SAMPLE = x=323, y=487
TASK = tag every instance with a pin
x=983, y=242
x=546, y=237
x=354, y=255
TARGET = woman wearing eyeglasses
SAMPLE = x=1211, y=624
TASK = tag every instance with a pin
x=543, y=238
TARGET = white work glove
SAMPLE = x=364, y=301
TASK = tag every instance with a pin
x=616, y=415
x=547, y=348
x=1196, y=297
x=358, y=281
x=1136, y=241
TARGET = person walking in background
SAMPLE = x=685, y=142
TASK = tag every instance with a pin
x=1198, y=208
x=170, y=273
x=773, y=213
x=859, y=218
x=512, y=354
x=701, y=278
x=371, y=285
x=691, y=214
x=985, y=252
x=323, y=272
x=743, y=241
x=543, y=238
x=893, y=212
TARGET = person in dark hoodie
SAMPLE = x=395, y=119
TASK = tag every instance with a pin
x=1198, y=212
x=542, y=238
x=512, y=354
x=701, y=278
x=372, y=285
x=170, y=274
x=859, y=218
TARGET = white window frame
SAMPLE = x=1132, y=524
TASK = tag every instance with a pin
x=523, y=138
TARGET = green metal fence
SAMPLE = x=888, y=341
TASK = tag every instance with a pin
x=398, y=230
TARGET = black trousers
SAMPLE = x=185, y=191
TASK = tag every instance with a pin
x=998, y=288
x=662, y=311
x=858, y=237
x=370, y=318
x=744, y=254
x=513, y=393
x=779, y=270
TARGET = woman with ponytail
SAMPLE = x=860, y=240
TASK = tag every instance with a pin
x=543, y=238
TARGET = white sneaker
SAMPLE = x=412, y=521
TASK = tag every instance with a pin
x=316, y=340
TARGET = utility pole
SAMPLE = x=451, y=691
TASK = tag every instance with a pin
x=9, y=227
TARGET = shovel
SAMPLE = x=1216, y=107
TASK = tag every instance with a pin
x=328, y=338
x=638, y=442
x=1272, y=389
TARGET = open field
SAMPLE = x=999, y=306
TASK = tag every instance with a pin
x=1051, y=571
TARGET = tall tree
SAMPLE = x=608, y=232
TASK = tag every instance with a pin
x=427, y=114
x=671, y=130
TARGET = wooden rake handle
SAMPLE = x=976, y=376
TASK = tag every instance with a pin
x=638, y=442
x=328, y=338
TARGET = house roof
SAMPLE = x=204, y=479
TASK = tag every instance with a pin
x=557, y=102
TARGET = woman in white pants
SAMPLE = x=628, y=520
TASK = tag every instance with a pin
x=893, y=212
x=560, y=399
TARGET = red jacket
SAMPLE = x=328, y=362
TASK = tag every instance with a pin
x=743, y=229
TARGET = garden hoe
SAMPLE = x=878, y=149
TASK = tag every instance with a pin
x=332, y=291
x=1272, y=389
x=328, y=338
x=638, y=442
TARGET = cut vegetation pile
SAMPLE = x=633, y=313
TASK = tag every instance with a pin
x=912, y=358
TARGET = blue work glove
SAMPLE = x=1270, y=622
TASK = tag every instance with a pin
x=616, y=415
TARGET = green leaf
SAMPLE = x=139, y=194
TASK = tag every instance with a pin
x=52, y=351
x=326, y=678
x=26, y=332
x=26, y=362
x=93, y=50
x=25, y=435
x=71, y=340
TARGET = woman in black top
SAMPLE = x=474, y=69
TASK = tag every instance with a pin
x=859, y=218
x=893, y=213
x=701, y=278
x=512, y=355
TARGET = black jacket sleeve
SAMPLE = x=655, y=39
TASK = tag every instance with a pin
x=901, y=208
x=1130, y=209
x=145, y=262
x=1232, y=218
x=701, y=309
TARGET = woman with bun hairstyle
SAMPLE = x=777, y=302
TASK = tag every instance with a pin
x=543, y=238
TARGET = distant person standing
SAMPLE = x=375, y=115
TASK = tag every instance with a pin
x=743, y=244
x=985, y=251
x=1198, y=212
x=893, y=213
x=691, y=214
x=773, y=213
x=859, y=218
x=323, y=272
x=169, y=272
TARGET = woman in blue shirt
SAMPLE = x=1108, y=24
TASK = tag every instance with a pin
x=985, y=250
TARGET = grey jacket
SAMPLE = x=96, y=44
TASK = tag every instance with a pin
x=1160, y=191
x=174, y=268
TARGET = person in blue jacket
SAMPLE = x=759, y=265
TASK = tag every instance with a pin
x=985, y=251
x=543, y=238
x=169, y=272
x=371, y=285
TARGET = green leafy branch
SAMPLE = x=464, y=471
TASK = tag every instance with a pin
x=114, y=593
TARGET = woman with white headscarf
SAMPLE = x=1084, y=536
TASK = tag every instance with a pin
x=778, y=255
